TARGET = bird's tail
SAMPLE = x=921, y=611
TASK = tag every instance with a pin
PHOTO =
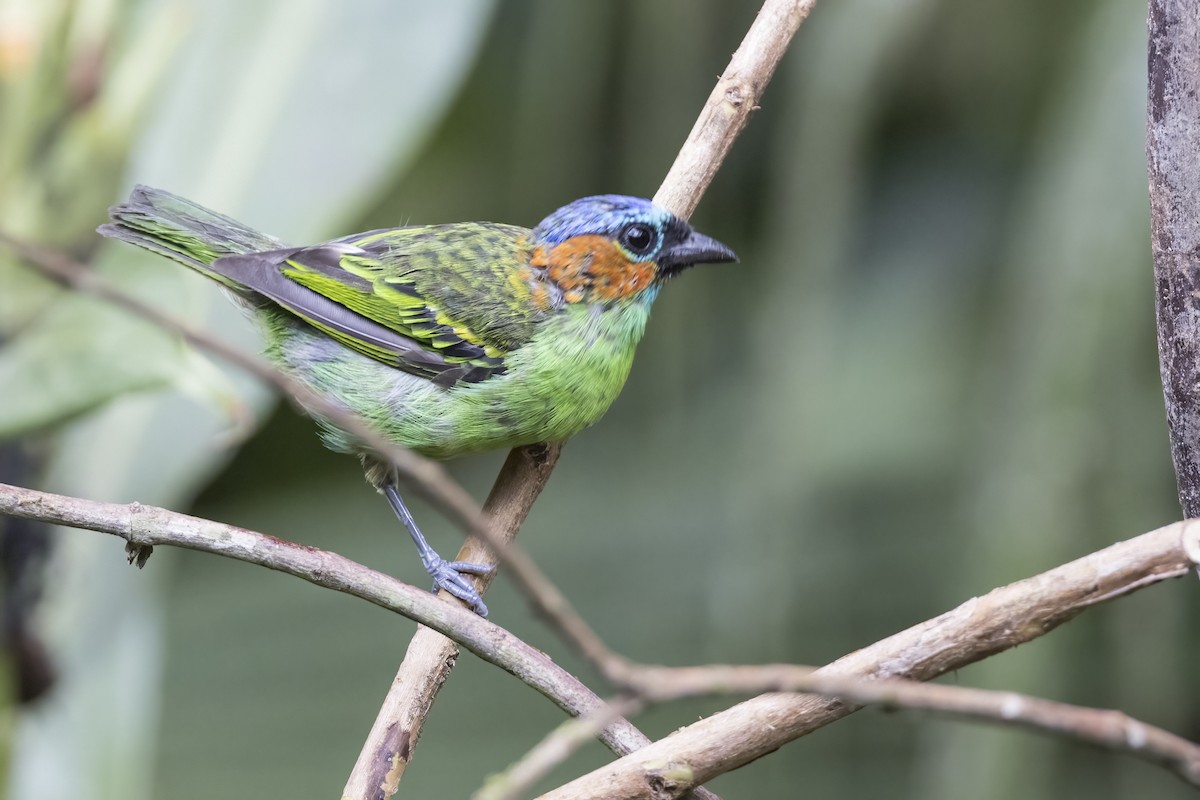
x=182, y=230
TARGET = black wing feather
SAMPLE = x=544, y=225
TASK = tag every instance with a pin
x=260, y=272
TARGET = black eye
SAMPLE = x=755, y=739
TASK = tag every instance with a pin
x=638, y=239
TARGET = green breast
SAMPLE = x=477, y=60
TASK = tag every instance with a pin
x=562, y=380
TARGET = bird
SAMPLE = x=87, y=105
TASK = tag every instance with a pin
x=446, y=339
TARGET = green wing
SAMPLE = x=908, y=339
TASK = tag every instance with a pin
x=446, y=302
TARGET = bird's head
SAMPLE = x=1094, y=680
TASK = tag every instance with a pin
x=612, y=248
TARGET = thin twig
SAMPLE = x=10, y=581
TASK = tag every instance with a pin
x=980, y=627
x=735, y=97
x=145, y=527
x=555, y=748
x=527, y=470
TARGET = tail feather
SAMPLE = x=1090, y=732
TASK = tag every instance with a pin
x=182, y=230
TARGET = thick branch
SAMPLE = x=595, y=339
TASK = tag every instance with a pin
x=1172, y=141
x=1104, y=728
x=525, y=473
x=981, y=627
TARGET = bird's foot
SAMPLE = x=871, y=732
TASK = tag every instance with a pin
x=450, y=575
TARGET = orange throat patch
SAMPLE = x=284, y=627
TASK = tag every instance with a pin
x=593, y=268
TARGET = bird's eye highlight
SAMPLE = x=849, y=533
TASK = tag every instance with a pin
x=638, y=239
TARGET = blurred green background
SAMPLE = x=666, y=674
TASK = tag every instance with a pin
x=932, y=373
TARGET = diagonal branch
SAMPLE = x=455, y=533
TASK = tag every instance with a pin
x=980, y=627
x=1104, y=728
x=145, y=527
x=728, y=108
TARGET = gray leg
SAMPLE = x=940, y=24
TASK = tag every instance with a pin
x=446, y=575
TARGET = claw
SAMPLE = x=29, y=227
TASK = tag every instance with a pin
x=448, y=575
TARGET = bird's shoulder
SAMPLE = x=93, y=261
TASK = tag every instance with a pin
x=473, y=276
x=465, y=293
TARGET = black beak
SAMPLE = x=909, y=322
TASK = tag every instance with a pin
x=695, y=249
